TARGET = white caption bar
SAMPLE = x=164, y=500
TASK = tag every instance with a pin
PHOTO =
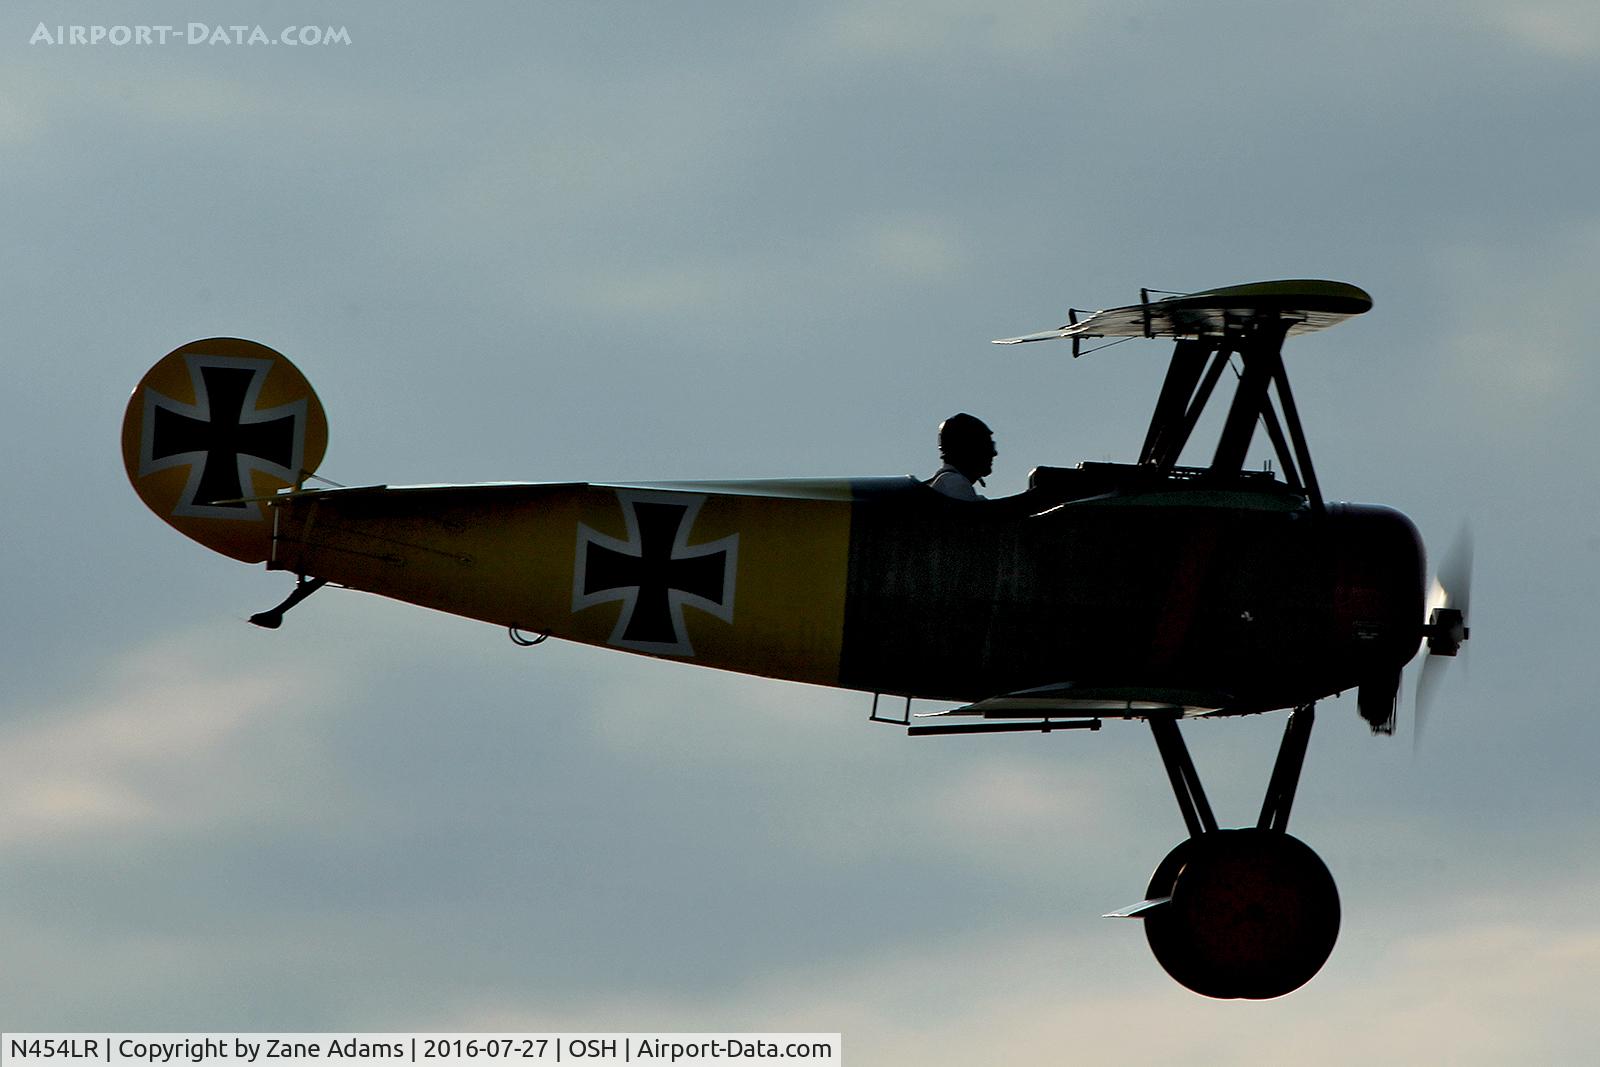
x=423, y=1050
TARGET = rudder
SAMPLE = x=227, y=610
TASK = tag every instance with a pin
x=214, y=427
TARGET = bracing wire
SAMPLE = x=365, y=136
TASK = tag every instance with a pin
x=1108, y=344
x=306, y=476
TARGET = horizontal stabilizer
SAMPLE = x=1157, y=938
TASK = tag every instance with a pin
x=1307, y=305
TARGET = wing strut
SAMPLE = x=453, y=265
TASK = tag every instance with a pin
x=1251, y=397
x=1279, y=799
x=1286, y=769
x=1187, y=389
x=1183, y=396
x=1186, y=786
x=1297, y=434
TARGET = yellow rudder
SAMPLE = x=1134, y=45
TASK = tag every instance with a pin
x=214, y=428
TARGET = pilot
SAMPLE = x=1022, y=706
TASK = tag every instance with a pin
x=967, y=447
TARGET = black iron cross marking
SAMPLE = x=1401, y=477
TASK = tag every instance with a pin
x=655, y=572
x=223, y=436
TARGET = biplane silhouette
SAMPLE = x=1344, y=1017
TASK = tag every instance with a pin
x=1146, y=591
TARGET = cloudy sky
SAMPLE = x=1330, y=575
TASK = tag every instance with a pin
x=623, y=241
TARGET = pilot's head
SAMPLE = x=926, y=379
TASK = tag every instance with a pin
x=967, y=445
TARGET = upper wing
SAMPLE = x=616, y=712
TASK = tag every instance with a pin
x=1308, y=304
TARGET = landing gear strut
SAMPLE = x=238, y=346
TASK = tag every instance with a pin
x=1250, y=913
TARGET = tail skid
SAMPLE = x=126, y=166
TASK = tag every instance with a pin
x=271, y=620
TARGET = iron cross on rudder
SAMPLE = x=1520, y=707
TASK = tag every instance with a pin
x=223, y=436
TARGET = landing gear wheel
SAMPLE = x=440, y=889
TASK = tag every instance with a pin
x=1253, y=914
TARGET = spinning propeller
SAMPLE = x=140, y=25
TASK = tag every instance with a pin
x=1446, y=629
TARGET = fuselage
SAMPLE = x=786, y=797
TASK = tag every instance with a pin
x=1237, y=591
x=1101, y=576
